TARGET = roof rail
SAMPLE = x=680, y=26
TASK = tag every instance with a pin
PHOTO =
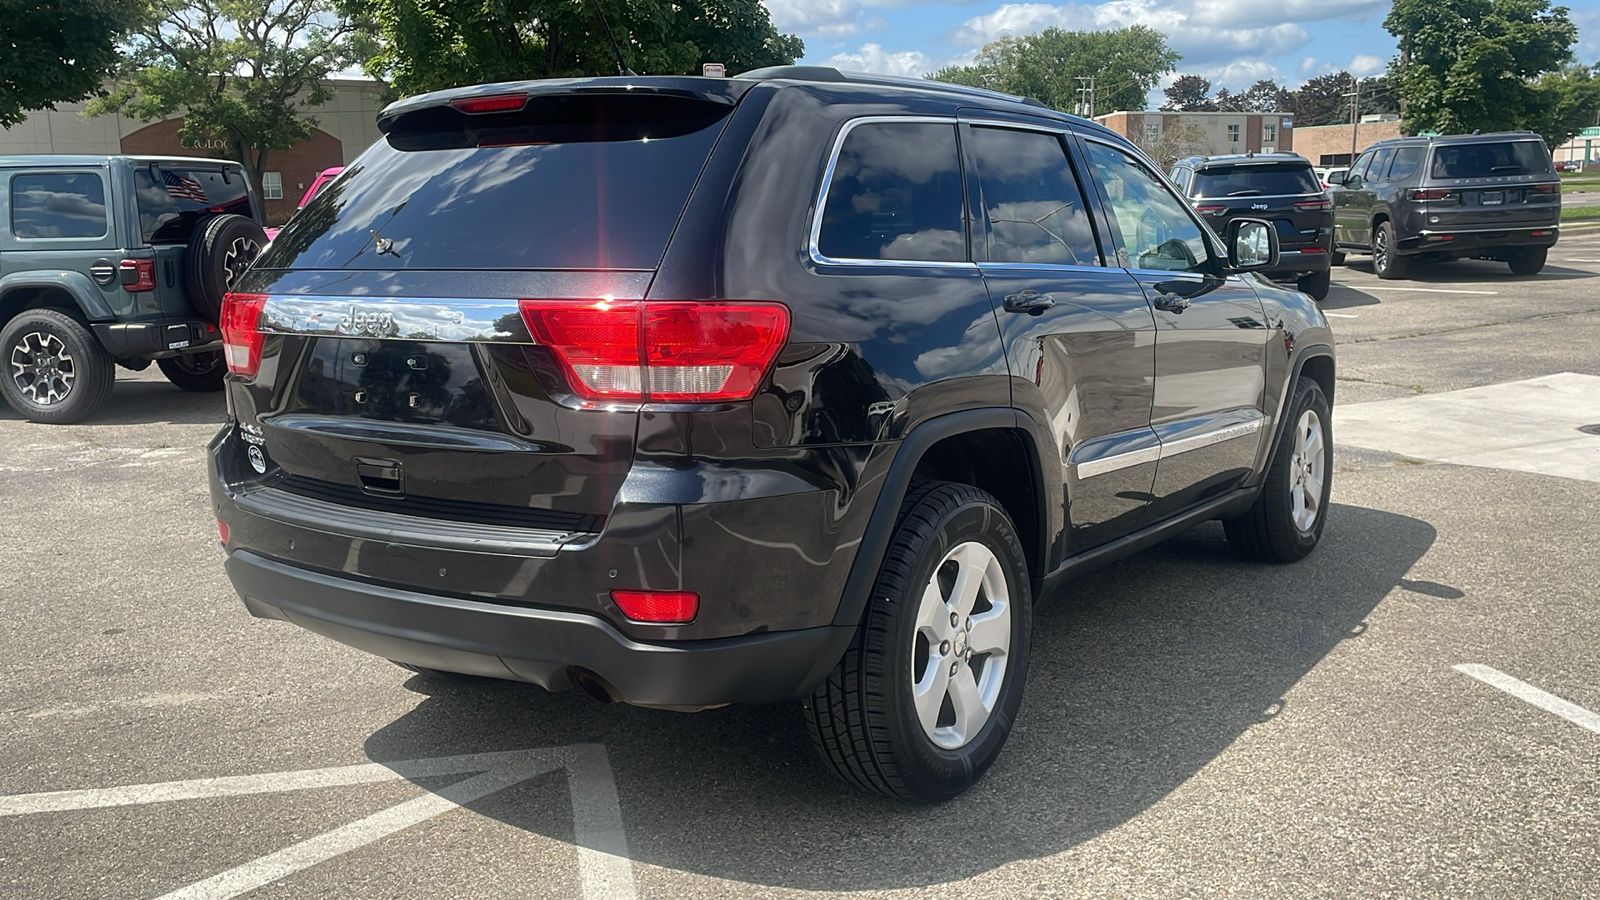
x=829, y=74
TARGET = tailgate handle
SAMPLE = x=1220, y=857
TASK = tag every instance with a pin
x=379, y=476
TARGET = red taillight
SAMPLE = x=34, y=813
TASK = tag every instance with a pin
x=491, y=104
x=1322, y=205
x=222, y=531
x=1547, y=188
x=138, y=274
x=1211, y=210
x=666, y=352
x=241, y=342
x=659, y=607
x=1429, y=194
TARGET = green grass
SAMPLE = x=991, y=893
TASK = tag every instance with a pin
x=1580, y=213
x=1574, y=182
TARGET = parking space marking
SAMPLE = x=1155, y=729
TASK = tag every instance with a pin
x=604, y=869
x=1548, y=702
x=1397, y=287
x=1333, y=315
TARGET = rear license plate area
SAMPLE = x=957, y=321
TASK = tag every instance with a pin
x=424, y=382
x=1491, y=198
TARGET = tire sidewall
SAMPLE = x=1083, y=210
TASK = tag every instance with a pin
x=208, y=250
x=92, y=367
x=1307, y=397
x=979, y=521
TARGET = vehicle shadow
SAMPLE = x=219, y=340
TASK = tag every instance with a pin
x=1142, y=674
x=138, y=399
x=1470, y=271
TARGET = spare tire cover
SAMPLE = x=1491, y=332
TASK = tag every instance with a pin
x=219, y=252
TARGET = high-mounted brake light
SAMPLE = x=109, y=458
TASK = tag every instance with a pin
x=241, y=341
x=491, y=104
x=1322, y=205
x=1430, y=194
x=658, y=607
x=660, y=352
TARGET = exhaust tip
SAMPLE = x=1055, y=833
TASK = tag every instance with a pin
x=595, y=686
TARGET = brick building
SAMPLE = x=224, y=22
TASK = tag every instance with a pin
x=1329, y=145
x=1224, y=132
x=346, y=125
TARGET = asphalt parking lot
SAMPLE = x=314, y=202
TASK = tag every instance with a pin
x=1193, y=726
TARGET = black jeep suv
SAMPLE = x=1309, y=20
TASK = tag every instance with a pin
x=1279, y=187
x=693, y=391
x=1484, y=196
x=116, y=260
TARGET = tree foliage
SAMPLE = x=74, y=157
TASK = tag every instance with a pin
x=56, y=51
x=1469, y=65
x=1264, y=96
x=1189, y=93
x=242, y=72
x=427, y=45
x=1126, y=64
x=1569, y=101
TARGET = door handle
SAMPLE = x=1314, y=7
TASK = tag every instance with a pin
x=1028, y=301
x=1172, y=303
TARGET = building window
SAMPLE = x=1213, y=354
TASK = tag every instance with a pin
x=1233, y=134
x=272, y=185
x=1269, y=134
x=1152, y=132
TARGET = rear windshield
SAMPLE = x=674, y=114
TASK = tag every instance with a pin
x=172, y=200
x=1491, y=159
x=1258, y=179
x=578, y=196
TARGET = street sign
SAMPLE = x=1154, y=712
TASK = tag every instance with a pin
x=1591, y=131
x=714, y=70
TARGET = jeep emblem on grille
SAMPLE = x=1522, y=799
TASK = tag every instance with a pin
x=368, y=323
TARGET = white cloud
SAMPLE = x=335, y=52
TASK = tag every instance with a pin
x=1201, y=44
x=873, y=58
x=1364, y=65
x=1236, y=76
x=816, y=17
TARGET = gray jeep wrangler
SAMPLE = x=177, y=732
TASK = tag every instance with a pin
x=116, y=260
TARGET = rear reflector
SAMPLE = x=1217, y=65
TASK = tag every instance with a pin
x=1441, y=237
x=677, y=352
x=241, y=342
x=659, y=607
x=1313, y=205
x=492, y=104
x=1313, y=249
x=222, y=530
x=1540, y=233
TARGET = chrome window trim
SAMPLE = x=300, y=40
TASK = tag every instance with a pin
x=1118, y=462
x=827, y=182
x=1054, y=267
x=388, y=318
x=1313, y=198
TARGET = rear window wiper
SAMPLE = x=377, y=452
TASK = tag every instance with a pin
x=1248, y=192
x=1515, y=170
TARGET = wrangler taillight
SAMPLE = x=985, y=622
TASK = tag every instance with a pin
x=660, y=352
x=241, y=339
x=138, y=275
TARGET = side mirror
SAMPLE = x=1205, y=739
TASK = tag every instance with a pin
x=1252, y=244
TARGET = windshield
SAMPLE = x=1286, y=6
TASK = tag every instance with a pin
x=172, y=200
x=1256, y=179
x=1491, y=159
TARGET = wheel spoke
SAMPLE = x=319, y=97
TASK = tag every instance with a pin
x=968, y=705
x=928, y=693
x=974, y=560
x=991, y=632
x=933, y=617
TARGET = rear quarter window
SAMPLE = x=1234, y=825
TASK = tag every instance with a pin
x=1256, y=180
x=1490, y=159
x=895, y=194
x=58, y=205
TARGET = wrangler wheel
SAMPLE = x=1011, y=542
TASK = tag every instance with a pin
x=55, y=372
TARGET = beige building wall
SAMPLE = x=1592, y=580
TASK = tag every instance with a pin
x=1224, y=132
x=1329, y=145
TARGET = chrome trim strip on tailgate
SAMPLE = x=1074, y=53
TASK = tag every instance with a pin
x=393, y=528
x=407, y=319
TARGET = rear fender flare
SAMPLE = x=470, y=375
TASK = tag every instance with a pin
x=76, y=285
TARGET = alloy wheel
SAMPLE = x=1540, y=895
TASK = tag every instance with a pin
x=1307, y=472
x=961, y=645
x=1380, y=250
x=241, y=253
x=43, y=368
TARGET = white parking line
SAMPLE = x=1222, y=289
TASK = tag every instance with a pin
x=1572, y=712
x=1341, y=315
x=1396, y=287
x=604, y=869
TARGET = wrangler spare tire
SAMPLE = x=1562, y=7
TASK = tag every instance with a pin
x=220, y=251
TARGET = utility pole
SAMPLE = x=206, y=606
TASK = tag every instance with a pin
x=1355, y=115
x=1086, y=96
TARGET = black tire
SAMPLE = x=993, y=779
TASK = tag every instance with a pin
x=66, y=375
x=1269, y=530
x=1316, y=284
x=1387, y=263
x=1336, y=258
x=202, y=373
x=220, y=250
x=864, y=718
x=1527, y=260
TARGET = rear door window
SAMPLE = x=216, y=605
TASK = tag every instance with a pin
x=1406, y=162
x=1031, y=200
x=1257, y=180
x=172, y=200
x=49, y=205
x=895, y=194
x=1490, y=159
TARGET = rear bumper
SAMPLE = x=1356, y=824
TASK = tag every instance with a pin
x=1300, y=262
x=1469, y=241
x=543, y=647
x=150, y=340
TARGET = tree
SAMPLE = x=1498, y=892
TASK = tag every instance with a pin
x=242, y=72
x=56, y=51
x=1470, y=64
x=427, y=45
x=1189, y=93
x=1175, y=143
x=1569, y=101
x=1321, y=101
x=1125, y=63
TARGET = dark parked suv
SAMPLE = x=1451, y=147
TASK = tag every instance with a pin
x=694, y=391
x=1481, y=196
x=115, y=260
x=1279, y=187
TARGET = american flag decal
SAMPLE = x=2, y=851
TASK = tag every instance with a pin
x=183, y=188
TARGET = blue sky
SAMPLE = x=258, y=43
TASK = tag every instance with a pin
x=1232, y=42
